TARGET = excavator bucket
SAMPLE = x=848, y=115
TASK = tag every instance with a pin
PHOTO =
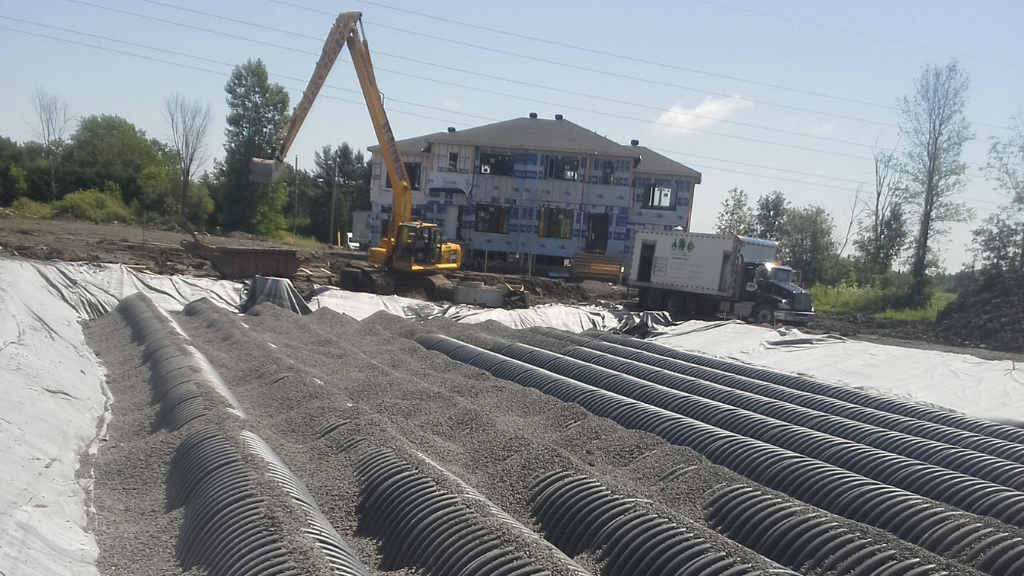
x=265, y=171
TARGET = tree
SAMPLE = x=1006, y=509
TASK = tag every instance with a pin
x=352, y=188
x=257, y=111
x=1005, y=167
x=998, y=242
x=736, y=216
x=770, y=215
x=883, y=232
x=54, y=121
x=189, y=122
x=13, y=182
x=933, y=125
x=111, y=149
x=806, y=242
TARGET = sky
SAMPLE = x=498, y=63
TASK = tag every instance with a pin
x=788, y=95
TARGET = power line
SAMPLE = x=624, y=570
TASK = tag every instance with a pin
x=732, y=136
x=360, y=104
x=353, y=102
x=837, y=29
x=391, y=110
x=534, y=58
x=601, y=52
x=221, y=74
x=503, y=79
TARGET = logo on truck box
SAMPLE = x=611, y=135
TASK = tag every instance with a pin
x=680, y=244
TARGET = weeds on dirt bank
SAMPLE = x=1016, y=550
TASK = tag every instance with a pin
x=890, y=298
x=92, y=205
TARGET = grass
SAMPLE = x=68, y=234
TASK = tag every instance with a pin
x=868, y=300
x=32, y=208
x=290, y=239
x=926, y=314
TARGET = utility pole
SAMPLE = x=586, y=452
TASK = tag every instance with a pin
x=333, y=184
x=295, y=204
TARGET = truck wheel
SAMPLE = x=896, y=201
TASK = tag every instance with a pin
x=675, y=303
x=763, y=315
x=653, y=299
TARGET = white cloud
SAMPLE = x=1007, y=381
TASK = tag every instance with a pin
x=451, y=104
x=711, y=111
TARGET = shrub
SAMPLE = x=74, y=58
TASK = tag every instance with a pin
x=32, y=208
x=93, y=205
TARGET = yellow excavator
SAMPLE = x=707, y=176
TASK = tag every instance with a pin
x=405, y=245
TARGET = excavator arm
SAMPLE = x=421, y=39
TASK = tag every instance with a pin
x=421, y=244
x=346, y=30
x=402, y=203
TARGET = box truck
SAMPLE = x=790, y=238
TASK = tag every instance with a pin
x=686, y=272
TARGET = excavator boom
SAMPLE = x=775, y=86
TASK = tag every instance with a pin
x=269, y=170
x=420, y=244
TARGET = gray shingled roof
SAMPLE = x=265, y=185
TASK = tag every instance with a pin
x=548, y=135
x=653, y=163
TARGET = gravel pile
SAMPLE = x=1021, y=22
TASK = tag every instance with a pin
x=314, y=386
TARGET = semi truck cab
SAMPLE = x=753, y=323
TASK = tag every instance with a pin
x=769, y=293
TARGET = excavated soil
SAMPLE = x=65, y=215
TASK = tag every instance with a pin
x=989, y=314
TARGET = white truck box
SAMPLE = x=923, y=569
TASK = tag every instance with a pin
x=693, y=262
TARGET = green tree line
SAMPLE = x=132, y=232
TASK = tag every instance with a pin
x=105, y=168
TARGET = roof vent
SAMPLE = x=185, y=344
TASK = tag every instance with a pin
x=451, y=129
x=634, y=142
x=533, y=115
x=558, y=116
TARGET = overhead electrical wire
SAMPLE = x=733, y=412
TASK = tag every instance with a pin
x=836, y=29
x=503, y=79
x=361, y=104
x=532, y=85
x=358, y=103
x=633, y=58
x=353, y=102
x=709, y=132
x=601, y=52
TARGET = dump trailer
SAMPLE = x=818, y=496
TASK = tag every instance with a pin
x=687, y=272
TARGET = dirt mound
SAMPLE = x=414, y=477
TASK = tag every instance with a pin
x=989, y=314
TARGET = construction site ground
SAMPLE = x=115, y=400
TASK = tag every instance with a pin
x=160, y=252
x=326, y=391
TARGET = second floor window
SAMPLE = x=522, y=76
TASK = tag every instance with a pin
x=497, y=164
x=658, y=197
x=563, y=168
x=412, y=169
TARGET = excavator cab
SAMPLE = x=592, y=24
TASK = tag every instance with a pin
x=419, y=247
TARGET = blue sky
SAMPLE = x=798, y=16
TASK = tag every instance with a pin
x=785, y=95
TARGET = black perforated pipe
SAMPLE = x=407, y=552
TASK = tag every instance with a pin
x=851, y=395
x=908, y=516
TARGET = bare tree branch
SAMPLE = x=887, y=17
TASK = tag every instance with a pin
x=189, y=123
x=54, y=122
